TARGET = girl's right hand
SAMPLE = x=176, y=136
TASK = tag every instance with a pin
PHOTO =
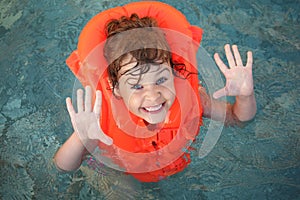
x=86, y=121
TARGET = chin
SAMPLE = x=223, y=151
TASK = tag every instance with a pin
x=155, y=119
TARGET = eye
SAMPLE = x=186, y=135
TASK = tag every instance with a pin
x=161, y=80
x=137, y=87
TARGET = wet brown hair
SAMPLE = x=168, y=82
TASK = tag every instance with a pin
x=145, y=42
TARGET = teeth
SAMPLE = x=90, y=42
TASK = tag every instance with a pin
x=153, y=108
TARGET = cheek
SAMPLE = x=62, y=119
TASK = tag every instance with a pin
x=170, y=90
x=133, y=102
x=171, y=96
x=125, y=94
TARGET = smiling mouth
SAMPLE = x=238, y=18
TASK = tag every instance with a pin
x=154, y=109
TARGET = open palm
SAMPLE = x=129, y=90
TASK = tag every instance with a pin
x=86, y=121
x=239, y=80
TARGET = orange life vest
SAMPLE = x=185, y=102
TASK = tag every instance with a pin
x=134, y=148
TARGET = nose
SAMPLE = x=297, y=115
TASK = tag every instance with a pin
x=151, y=92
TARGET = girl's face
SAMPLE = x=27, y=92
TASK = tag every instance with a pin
x=147, y=95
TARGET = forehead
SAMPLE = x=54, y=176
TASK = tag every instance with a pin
x=130, y=66
x=127, y=63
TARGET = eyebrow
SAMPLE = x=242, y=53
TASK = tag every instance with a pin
x=164, y=69
x=156, y=74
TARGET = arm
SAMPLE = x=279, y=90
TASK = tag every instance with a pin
x=87, y=131
x=70, y=154
x=239, y=83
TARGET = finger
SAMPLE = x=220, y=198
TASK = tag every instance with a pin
x=249, y=59
x=220, y=93
x=220, y=63
x=70, y=107
x=88, y=99
x=229, y=56
x=237, y=55
x=98, y=103
x=80, y=100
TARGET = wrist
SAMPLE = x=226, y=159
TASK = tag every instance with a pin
x=80, y=139
x=245, y=97
x=245, y=107
x=87, y=144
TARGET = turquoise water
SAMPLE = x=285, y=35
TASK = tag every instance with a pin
x=258, y=161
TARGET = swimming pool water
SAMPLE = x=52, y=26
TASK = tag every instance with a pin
x=258, y=161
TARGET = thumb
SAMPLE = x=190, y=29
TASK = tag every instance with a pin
x=220, y=93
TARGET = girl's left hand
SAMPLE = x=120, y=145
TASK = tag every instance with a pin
x=239, y=80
